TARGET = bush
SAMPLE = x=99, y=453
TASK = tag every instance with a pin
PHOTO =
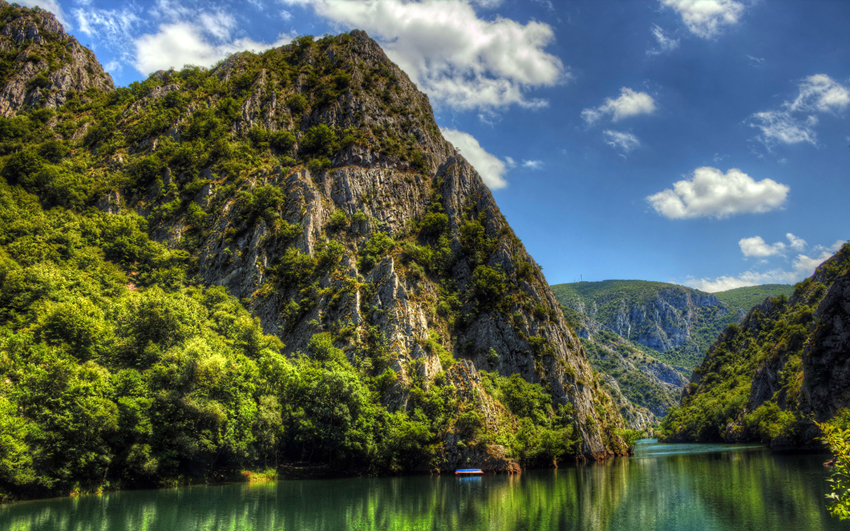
x=296, y=103
x=319, y=141
x=377, y=247
x=338, y=220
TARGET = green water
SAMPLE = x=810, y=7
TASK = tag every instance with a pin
x=668, y=487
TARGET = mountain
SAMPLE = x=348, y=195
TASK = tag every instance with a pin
x=782, y=368
x=645, y=337
x=278, y=258
x=643, y=387
x=677, y=322
x=40, y=64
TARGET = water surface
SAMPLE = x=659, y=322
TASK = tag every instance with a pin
x=664, y=486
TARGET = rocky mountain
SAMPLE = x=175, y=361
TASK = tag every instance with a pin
x=643, y=387
x=677, y=322
x=312, y=183
x=780, y=370
x=40, y=63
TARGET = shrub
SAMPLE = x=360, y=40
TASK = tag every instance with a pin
x=296, y=103
x=375, y=249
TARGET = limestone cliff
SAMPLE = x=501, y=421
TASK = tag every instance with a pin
x=313, y=183
x=41, y=62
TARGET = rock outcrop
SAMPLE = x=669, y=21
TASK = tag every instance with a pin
x=45, y=62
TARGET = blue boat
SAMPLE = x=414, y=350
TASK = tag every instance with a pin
x=469, y=472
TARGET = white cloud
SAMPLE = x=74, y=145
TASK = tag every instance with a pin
x=705, y=18
x=665, y=43
x=532, y=164
x=798, y=244
x=491, y=169
x=782, y=127
x=803, y=266
x=794, y=122
x=757, y=247
x=630, y=103
x=712, y=193
x=453, y=55
x=620, y=140
x=48, y=5
x=112, y=27
x=822, y=93
x=192, y=37
x=748, y=278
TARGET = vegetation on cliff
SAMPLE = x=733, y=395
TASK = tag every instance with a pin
x=368, y=275
x=757, y=382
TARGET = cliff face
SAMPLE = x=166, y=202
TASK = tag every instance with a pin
x=643, y=387
x=678, y=322
x=43, y=60
x=382, y=193
x=782, y=368
x=313, y=183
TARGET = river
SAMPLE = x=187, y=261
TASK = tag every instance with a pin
x=663, y=486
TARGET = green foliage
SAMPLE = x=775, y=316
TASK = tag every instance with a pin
x=838, y=440
x=338, y=220
x=489, y=284
x=297, y=103
x=375, y=248
x=319, y=141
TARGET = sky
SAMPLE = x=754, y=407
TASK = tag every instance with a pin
x=699, y=142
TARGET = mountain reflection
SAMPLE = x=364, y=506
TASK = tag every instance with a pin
x=675, y=487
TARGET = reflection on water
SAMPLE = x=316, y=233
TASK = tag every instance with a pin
x=665, y=487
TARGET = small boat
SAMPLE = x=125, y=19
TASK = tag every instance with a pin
x=469, y=472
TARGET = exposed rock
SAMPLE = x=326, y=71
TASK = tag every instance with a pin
x=48, y=64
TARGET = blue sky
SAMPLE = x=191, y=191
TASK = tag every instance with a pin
x=702, y=142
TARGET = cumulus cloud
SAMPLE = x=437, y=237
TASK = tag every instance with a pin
x=630, y=103
x=621, y=140
x=794, y=121
x=712, y=193
x=705, y=18
x=757, y=247
x=202, y=39
x=451, y=53
x=532, y=164
x=490, y=167
x=48, y=5
x=665, y=43
x=801, y=267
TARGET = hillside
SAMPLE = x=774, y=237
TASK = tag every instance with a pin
x=275, y=259
x=745, y=299
x=643, y=387
x=677, y=322
x=782, y=368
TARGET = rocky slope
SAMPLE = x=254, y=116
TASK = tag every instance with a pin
x=677, y=322
x=782, y=368
x=41, y=63
x=312, y=182
x=643, y=387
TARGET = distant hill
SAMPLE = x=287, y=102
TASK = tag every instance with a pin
x=646, y=337
x=748, y=298
x=677, y=322
x=643, y=388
